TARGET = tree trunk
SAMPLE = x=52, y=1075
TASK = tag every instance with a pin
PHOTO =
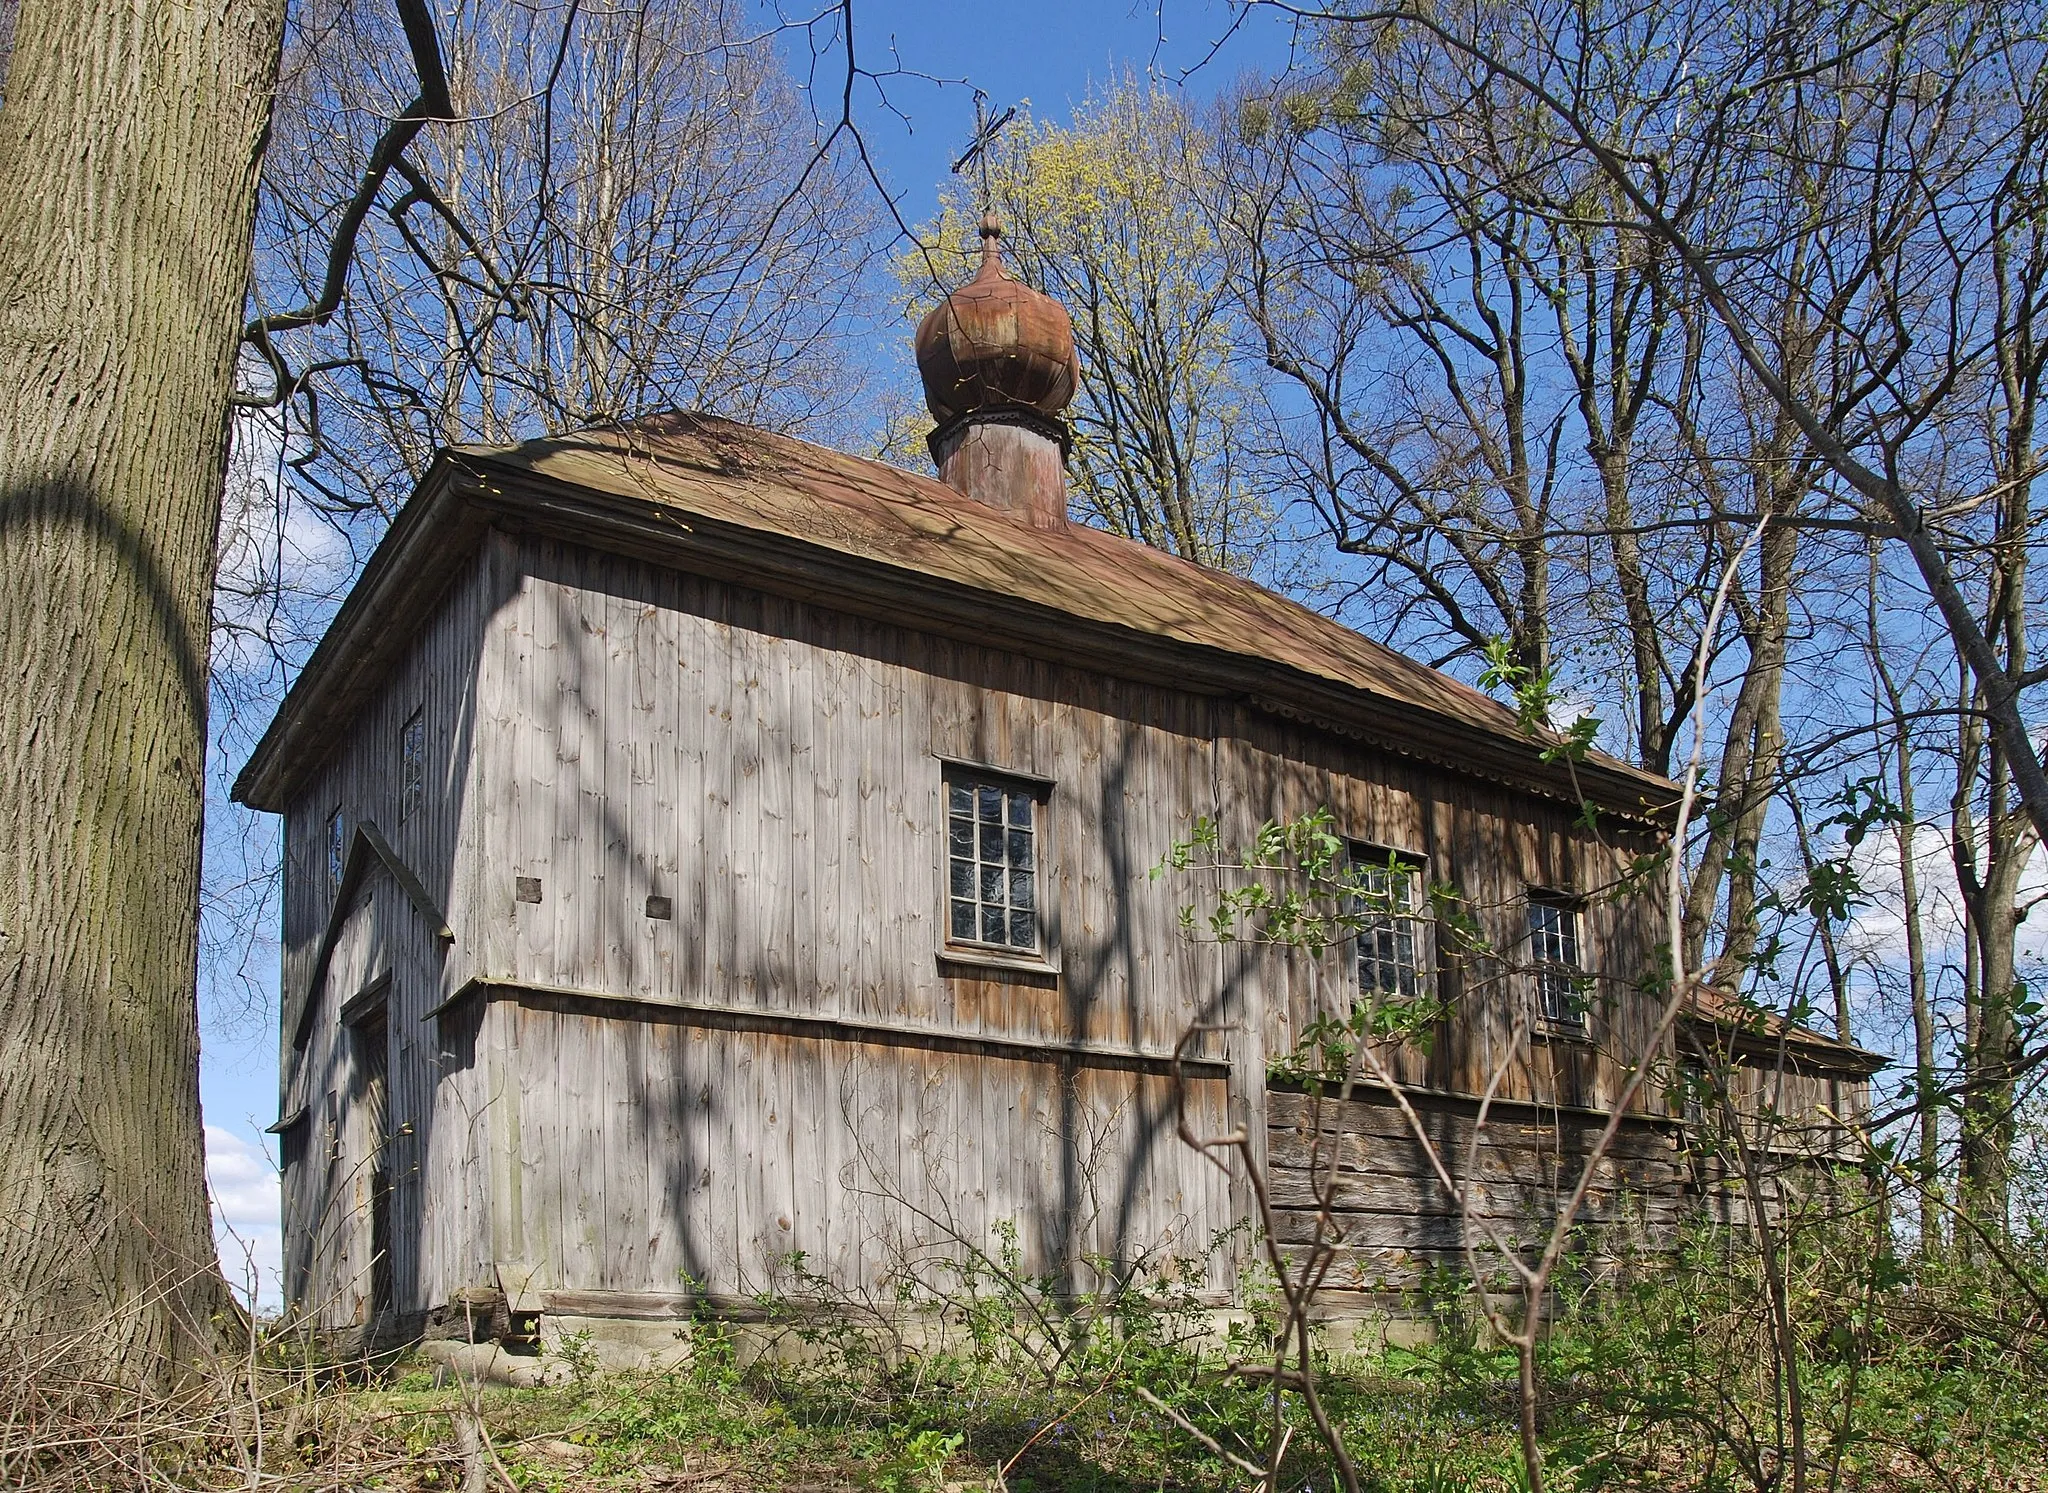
x=1988, y=1125
x=129, y=143
x=1905, y=836
x=1748, y=773
x=1928, y=1120
x=1991, y=856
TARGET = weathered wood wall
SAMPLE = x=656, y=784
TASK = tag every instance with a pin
x=669, y=1153
x=775, y=770
x=1392, y=1219
x=431, y=1157
x=1493, y=845
x=614, y=730
x=1393, y=1223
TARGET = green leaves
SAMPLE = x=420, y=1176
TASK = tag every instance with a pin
x=1535, y=697
x=1327, y=1053
x=1294, y=884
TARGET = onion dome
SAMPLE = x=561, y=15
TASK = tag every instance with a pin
x=996, y=344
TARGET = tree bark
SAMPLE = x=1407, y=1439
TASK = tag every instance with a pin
x=129, y=142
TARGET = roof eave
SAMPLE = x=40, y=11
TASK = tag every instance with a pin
x=406, y=574
x=465, y=493
x=1799, y=1045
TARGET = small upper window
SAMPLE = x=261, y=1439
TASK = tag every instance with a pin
x=1555, y=955
x=1693, y=1090
x=993, y=834
x=1394, y=955
x=337, y=849
x=412, y=766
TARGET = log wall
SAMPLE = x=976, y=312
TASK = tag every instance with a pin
x=1394, y=1222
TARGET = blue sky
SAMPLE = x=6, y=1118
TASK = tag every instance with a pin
x=915, y=123
x=1051, y=54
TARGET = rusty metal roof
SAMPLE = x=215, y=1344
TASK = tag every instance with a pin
x=785, y=514
x=715, y=468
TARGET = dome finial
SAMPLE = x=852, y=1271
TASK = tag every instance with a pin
x=991, y=244
x=995, y=343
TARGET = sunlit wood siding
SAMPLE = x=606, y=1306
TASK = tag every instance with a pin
x=774, y=769
x=433, y=1162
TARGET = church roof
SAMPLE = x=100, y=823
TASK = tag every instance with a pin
x=706, y=494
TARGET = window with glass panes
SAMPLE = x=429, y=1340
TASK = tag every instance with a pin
x=1554, y=952
x=992, y=845
x=1393, y=934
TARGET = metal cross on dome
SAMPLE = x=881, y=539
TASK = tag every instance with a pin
x=985, y=132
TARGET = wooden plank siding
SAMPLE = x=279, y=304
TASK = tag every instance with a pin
x=774, y=769
x=619, y=1108
x=1394, y=1223
x=430, y=1153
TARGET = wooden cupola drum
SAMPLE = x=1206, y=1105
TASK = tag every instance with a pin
x=999, y=369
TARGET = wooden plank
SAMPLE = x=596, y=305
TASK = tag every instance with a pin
x=625, y=740
x=785, y=841
x=540, y=819
x=626, y=1223
x=799, y=670
x=696, y=867
x=544, y=1156
x=708, y=1206
x=581, y=925
x=658, y=694
x=1525, y=1198
x=1506, y=1125
x=913, y=823
x=838, y=921
x=727, y=838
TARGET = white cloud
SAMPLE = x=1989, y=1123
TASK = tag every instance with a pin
x=246, y=1227
x=1877, y=925
x=282, y=563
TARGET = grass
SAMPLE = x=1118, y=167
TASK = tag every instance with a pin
x=1928, y=1376
x=779, y=1429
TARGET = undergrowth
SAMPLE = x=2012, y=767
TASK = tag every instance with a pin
x=1908, y=1376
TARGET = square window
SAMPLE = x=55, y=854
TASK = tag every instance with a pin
x=412, y=766
x=1395, y=956
x=992, y=833
x=1554, y=955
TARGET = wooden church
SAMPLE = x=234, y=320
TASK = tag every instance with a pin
x=701, y=846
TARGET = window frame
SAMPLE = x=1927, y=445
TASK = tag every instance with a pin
x=1370, y=855
x=1548, y=975
x=412, y=764
x=1692, y=1092
x=1044, y=958
x=336, y=848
